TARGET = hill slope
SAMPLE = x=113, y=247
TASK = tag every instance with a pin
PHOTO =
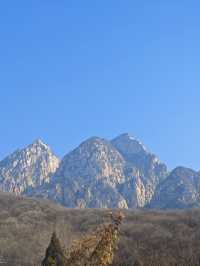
x=161, y=238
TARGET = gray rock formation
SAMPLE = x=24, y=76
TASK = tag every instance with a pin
x=143, y=170
x=88, y=177
x=102, y=174
x=120, y=173
x=181, y=189
x=26, y=168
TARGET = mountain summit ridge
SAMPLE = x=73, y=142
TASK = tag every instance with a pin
x=27, y=167
x=120, y=173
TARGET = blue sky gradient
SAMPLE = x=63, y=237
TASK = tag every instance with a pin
x=73, y=69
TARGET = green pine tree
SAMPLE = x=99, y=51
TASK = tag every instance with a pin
x=96, y=249
x=54, y=253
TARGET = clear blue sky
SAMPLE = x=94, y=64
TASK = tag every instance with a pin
x=73, y=69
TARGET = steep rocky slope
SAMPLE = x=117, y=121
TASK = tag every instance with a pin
x=121, y=173
x=103, y=174
x=28, y=167
x=88, y=177
x=143, y=170
x=181, y=189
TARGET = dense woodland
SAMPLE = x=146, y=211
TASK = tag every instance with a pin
x=145, y=238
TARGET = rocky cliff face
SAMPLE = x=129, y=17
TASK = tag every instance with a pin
x=181, y=189
x=103, y=174
x=88, y=177
x=26, y=168
x=120, y=173
x=143, y=170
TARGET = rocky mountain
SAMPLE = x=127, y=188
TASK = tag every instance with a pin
x=181, y=189
x=88, y=177
x=143, y=170
x=103, y=174
x=28, y=167
x=121, y=173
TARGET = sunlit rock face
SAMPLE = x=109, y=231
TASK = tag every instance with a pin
x=120, y=173
x=103, y=174
x=143, y=171
x=28, y=167
x=181, y=189
x=89, y=177
x=94, y=158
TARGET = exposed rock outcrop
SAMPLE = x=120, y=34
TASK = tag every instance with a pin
x=103, y=174
x=181, y=189
x=27, y=168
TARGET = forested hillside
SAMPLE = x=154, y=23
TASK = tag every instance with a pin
x=149, y=237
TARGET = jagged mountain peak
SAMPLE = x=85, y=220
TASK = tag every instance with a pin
x=27, y=167
x=94, y=139
x=128, y=144
x=181, y=170
x=89, y=175
x=179, y=190
x=94, y=155
x=100, y=173
x=38, y=143
x=94, y=147
x=127, y=135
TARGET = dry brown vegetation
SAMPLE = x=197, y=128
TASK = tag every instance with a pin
x=147, y=237
x=94, y=249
